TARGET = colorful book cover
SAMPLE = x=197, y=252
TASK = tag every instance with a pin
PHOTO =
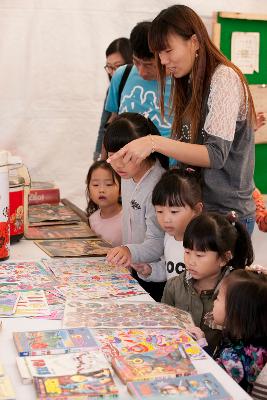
x=74, y=247
x=43, y=192
x=41, y=214
x=67, y=266
x=93, y=385
x=6, y=389
x=116, y=342
x=194, y=387
x=32, y=303
x=119, y=314
x=62, y=364
x=8, y=303
x=37, y=343
x=80, y=230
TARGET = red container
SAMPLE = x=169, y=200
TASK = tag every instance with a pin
x=16, y=207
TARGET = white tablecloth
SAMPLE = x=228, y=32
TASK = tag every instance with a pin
x=27, y=250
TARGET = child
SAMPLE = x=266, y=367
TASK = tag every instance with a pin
x=177, y=199
x=213, y=246
x=104, y=208
x=142, y=236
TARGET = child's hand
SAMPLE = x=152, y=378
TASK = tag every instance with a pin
x=257, y=268
x=120, y=255
x=260, y=120
x=142, y=269
x=196, y=332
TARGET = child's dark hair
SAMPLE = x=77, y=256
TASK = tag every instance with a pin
x=177, y=188
x=214, y=232
x=127, y=127
x=91, y=206
x=245, y=306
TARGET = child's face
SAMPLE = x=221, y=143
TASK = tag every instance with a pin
x=103, y=190
x=219, y=307
x=174, y=220
x=203, y=264
x=128, y=170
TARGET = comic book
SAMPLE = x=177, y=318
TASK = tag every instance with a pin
x=194, y=387
x=32, y=303
x=74, y=247
x=8, y=303
x=119, y=314
x=115, y=342
x=79, y=230
x=93, y=385
x=61, y=364
x=43, y=192
x=43, y=214
x=37, y=343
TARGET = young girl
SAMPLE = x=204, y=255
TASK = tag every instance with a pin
x=142, y=236
x=177, y=199
x=104, y=209
x=241, y=309
x=213, y=246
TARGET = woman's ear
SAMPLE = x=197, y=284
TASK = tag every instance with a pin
x=198, y=208
x=195, y=42
x=226, y=258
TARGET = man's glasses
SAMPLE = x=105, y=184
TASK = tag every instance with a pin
x=111, y=68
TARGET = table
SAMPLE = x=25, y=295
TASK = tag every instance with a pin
x=27, y=250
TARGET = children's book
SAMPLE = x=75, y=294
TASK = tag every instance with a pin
x=115, y=342
x=93, y=385
x=194, y=387
x=74, y=247
x=59, y=365
x=43, y=192
x=119, y=314
x=43, y=214
x=6, y=389
x=37, y=343
x=68, y=266
x=32, y=303
x=80, y=230
x=8, y=303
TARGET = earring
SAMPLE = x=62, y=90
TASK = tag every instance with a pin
x=196, y=55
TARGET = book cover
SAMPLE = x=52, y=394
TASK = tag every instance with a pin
x=127, y=314
x=80, y=230
x=6, y=389
x=62, y=364
x=93, y=385
x=74, y=247
x=44, y=195
x=36, y=343
x=8, y=303
x=41, y=214
x=32, y=303
x=194, y=387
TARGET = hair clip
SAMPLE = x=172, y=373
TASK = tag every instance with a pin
x=190, y=170
x=232, y=217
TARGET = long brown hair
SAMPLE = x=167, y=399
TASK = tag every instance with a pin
x=183, y=21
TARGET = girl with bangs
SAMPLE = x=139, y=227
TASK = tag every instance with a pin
x=213, y=113
x=214, y=246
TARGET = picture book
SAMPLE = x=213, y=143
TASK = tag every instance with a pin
x=32, y=303
x=37, y=343
x=74, y=247
x=119, y=314
x=6, y=389
x=80, y=230
x=115, y=342
x=8, y=303
x=24, y=275
x=160, y=363
x=41, y=214
x=93, y=385
x=43, y=192
x=68, y=266
x=62, y=364
x=194, y=387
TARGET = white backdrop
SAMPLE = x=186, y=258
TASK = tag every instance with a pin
x=52, y=81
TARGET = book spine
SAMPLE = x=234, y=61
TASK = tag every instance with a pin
x=41, y=196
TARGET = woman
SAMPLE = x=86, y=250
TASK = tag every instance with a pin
x=118, y=53
x=212, y=109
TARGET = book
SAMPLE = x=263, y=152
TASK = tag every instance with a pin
x=43, y=214
x=124, y=314
x=93, y=385
x=79, y=230
x=32, y=303
x=43, y=192
x=8, y=303
x=194, y=387
x=6, y=389
x=74, y=247
x=59, y=365
x=37, y=343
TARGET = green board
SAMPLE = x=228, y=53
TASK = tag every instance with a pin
x=228, y=26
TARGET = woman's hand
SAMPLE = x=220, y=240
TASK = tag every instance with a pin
x=135, y=151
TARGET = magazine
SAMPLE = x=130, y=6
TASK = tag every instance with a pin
x=80, y=230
